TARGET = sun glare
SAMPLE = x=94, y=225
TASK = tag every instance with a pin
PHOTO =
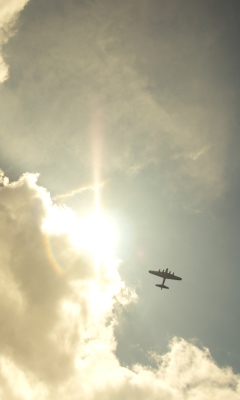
x=93, y=234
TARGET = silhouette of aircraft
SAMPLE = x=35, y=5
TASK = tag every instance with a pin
x=165, y=275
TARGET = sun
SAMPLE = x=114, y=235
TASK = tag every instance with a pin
x=94, y=234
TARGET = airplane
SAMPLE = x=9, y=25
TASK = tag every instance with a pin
x=165, y=275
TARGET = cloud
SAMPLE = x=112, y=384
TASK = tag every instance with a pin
x=154, y=87
x=193, y=155
x=3, y=179
x=57, y=318
x=9, y=10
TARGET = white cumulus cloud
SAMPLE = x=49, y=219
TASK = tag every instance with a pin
x=9, y=10
x=57, y=319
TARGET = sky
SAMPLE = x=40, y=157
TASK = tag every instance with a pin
x=119, y=153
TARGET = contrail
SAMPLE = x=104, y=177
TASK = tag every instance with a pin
x=79, y=190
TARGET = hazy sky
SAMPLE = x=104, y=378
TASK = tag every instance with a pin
x=119, y=153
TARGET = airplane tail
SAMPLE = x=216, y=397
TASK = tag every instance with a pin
x=162, y=286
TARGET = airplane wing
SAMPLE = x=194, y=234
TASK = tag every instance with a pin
x=166, y=275
x=172, y=276
x=158, y=273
